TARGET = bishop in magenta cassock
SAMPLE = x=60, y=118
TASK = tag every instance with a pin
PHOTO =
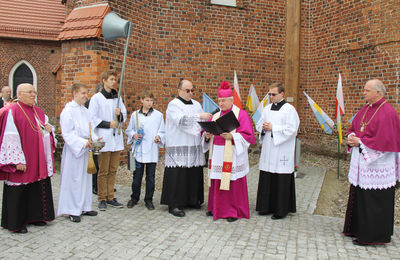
x=228, y=162
x=374, y=169
x=26, y=163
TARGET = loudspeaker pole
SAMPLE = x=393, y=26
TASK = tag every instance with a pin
x=123, y=70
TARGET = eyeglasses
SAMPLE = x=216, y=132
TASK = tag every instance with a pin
x=188, y=90
x=30, y=92
x=274, y=94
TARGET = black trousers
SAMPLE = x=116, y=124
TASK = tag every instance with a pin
x=137, y=180
x=94, y=176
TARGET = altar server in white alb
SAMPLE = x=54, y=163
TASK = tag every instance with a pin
x=75, y=197
x=146, y=133
x=107, y=116
x=278, y=129
x=184, y=159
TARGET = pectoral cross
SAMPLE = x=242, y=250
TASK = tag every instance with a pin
x=284, y=160
x=362, y=127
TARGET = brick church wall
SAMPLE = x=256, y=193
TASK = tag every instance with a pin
x=198, y=41
x=205, y=43
x=359, y=39
x=44, y=56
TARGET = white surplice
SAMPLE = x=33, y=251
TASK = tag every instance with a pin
x=103, y=109
x=278, y=145
x=371, y=169
x=153, y=125
x=183, y=140
x=76, y=184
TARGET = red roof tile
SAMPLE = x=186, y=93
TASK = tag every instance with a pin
x=84, y=22
x=39, y=19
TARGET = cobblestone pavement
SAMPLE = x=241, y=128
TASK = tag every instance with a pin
x=138, y=233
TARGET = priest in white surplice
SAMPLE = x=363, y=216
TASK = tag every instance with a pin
x=75, y=196
x=184, y=159
x=278, y=129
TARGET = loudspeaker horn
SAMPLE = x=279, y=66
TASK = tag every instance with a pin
x=115, y=27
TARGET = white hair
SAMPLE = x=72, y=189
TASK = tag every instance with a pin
x=378, y=86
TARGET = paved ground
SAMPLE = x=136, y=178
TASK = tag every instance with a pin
x=138, y=233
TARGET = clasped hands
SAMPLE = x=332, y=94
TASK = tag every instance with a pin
x=267, y=126
x=353, y=140
x=48, y=128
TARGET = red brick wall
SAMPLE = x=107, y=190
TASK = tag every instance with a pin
x=359, y=39
x=205, y=43
x=44, y=57
x=85, y=60
x=198, y=41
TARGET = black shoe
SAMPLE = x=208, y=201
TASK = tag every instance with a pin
x=39, y=223
x=115, y=189
x=94, y=191
x=231, y=219
x=91, y=213
x=149, y=205
x=177, y=212
x=209, y=214
x=102, y=205
x=131, y=203
x=23, y=230
x=115, y=203
x=358, y=243
x=74, y=218
x=276, y=217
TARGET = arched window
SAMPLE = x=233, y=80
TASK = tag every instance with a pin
x=22, y=72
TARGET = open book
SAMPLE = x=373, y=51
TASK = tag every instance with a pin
x=224, y=124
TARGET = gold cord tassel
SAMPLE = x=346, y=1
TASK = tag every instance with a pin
x=91, y=166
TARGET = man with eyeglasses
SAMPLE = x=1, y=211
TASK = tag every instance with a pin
x=26, y=163
x=183, y=176
x=278, y=129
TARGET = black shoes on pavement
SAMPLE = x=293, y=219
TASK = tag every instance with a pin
x=23, y=230
x=274, y=217
x=149, y=205
x=115, y=203
x=231, y=219
x=177, y=212
x=131, y=203
x=91, y=213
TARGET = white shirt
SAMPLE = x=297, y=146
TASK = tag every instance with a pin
x=103, y=109
x=153, y=125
